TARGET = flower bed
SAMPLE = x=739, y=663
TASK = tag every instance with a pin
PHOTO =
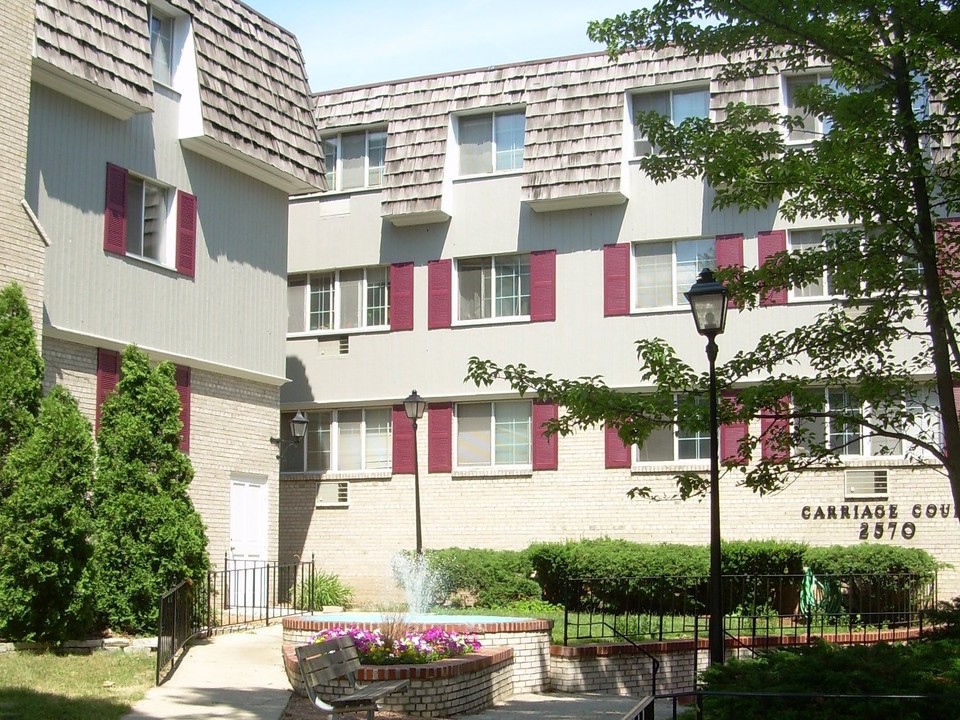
x=401, y=644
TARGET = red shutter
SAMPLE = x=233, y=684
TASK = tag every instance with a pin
x=401, y=296
x=186, y=233
x=544, y=448
x=616, y=280
x=543, y=286
x=182, y=376
x=948, y=255
x=768, y=243
x=108, y=375
x=729, y=249
x=615, y=453
x=115, y=211
x=439, y=289
x=730, y=437
x=403, y=449
x=440, y=437
x=773, y=426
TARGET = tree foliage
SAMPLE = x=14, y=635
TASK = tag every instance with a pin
x=45, y=526
x=884, y=174
x=148, y=534
x=21, y=372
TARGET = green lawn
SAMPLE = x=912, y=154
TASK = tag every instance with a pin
x=101, y=686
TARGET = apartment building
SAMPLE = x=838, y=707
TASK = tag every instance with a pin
x=500, y=213
x=162, y=144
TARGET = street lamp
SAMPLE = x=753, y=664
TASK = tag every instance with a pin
x=708, y=303
x=298, y=428
x=414, y=406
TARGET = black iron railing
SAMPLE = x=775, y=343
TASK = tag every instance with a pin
x=181, y=617
x=758, y=608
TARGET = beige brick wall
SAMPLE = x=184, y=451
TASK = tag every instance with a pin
x=232, y=420
x=583, y=500
x=21, y=248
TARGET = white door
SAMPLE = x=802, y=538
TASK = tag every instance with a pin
x=248, y=541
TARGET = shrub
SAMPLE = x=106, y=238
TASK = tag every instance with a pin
x=148, y=534
x=45, y=525
x=21, y=372
x=489, y=577
x=312, y=593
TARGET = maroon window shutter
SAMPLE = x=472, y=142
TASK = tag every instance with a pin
x=729, y=249
x=544, y=448
x=182, y=376
x=773, y=426
x=401, y=296
x=115, y=211
x=769, y=243
x=730, y=436
x=186, y=233
x=615, y=453
x=403, y=448
x=543, y=286
x=440, y=437
x=948, y=256
x=616, y=280
x=439, y=290
x=108, y=375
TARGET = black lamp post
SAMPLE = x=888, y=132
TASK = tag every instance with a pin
x=298, y=428
x=414, y=406
x=708, y=303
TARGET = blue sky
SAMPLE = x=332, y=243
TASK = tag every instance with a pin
x=354, y=42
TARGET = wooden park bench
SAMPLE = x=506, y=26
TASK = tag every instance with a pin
x=339, y=658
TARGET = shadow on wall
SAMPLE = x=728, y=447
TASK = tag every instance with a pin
x=570, y=230
x=298, y=389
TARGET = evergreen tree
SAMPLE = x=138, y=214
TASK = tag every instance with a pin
x=45, y=525
x=148, y=534
x=21, y=372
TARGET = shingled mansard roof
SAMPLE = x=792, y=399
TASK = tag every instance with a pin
x=253, y=87
x=573, y=147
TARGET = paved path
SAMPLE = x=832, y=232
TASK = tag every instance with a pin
x=240, y=676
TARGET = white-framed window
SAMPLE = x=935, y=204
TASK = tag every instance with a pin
x=492, y=142
x=494, y=434
x=850, y=439
x=148, y=210
x=677, y=104
x=339, y=300
x=354, y=440
x=803, y=240
x=813, y=127
x=663, y=271
x=676, y=444
x=493, y=287
x=355, y=160
x=161, y=45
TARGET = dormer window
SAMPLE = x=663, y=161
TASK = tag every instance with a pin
x=161, y=46
x=492, y=142
x=355, y=160
x=677, y=105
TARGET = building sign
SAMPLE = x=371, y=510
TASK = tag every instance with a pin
x=884, y=521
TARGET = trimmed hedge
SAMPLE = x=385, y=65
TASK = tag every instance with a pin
x=489, y=578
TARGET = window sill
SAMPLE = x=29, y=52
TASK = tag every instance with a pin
x=491, y=473
x=154, y=264
x=325, y=334
x=657, y=468
x=489, y=175
x=349, y=191
x=517, y=320
x=327, y=476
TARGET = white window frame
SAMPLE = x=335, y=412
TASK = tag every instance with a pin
x=373, y=175
x=162, y=27
x=794, y=293
x=494, y=298
x=495, y=141
x=820, y=127
x=869, y=446
x=679, y=285
x=678, y=434
x=305, y=300
x=494, y=464
x=322, y=439
x=164, y=236
x=641, y=145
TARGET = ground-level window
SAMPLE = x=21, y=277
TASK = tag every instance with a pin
x=493, y=434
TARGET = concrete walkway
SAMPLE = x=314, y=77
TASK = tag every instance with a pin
x=240, y=676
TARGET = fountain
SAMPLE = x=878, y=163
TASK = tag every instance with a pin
x=422, y=584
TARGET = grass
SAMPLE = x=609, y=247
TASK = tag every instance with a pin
x=101, y=686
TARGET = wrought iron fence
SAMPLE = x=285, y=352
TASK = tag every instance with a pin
x=757, y=608
x=242, y=593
